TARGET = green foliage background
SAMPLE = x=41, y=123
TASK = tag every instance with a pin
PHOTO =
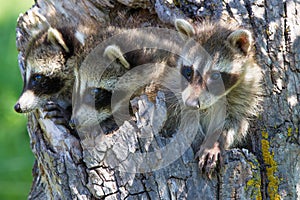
x=16, y=158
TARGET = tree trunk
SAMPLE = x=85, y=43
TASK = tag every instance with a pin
x=67, y=167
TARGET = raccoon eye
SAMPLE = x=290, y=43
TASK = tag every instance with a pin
x=215, y=76
x=37, y=78
x=187, y=72
x=94, y=91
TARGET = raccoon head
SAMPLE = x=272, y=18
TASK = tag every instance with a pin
x=91, y=101
x=94, y=87
x=46, y=70
x=213, y=61
x=95, y=107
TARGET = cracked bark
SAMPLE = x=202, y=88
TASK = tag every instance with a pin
x=69, y=168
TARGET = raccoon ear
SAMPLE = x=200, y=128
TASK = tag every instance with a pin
x=113, y=52
x=241, y=40
x=184, y=27
x=54, y=36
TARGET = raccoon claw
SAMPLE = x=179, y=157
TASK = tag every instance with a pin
x=60, y=121
x=208, y=159
x=50, y=106
x=55, y=113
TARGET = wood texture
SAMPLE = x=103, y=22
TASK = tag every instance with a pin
x=70, y=168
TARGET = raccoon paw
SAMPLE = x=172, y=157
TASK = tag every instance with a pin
x=208, y=159
x=56, y=113
x=109, y=126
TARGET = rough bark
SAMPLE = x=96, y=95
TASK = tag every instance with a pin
x=70, y=168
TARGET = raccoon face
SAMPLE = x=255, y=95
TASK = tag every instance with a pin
x=205, y=88
x=46, y=71
x=37, y=90
x=212, y=66
x=94, y=87
x=92, y=106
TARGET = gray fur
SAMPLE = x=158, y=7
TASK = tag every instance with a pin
x=47, y=55
x=224, y=116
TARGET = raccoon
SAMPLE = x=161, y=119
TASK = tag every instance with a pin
x=221, y=81
x=117, y=63
x=92, y=98
x=99, y=92
x=50, y=58
x=48, y=73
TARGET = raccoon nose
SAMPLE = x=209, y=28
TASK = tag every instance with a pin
x=18, y=108
x=73, y=123
x=193, y=103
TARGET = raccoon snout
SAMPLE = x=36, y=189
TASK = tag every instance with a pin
x=17, y=108
x=193, y=103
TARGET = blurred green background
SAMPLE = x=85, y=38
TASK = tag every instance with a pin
x=16, y=158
